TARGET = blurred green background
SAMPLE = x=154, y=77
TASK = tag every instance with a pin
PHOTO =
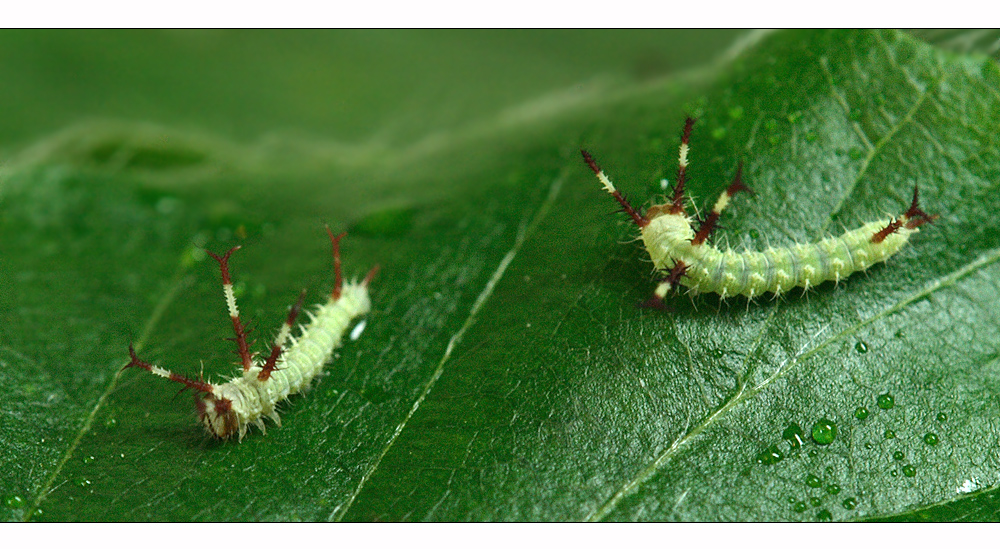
x=391, y=86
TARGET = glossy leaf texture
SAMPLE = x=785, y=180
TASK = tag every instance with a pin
x=505, y=372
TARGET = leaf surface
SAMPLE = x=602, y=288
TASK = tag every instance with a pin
x=505, y=372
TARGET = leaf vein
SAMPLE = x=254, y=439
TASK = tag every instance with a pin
x=543, y=210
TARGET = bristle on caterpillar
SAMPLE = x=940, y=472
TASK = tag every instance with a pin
x=230, y=408
x=683, y=252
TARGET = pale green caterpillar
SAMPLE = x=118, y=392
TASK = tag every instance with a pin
x=675, y=246
x=231, y=407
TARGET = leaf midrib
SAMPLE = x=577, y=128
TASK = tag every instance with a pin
x=523, y=233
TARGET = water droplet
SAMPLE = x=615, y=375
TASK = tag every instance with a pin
x=88, y=459
x=799, y=507
x=833, y=489
x=793, y=434
x=824, y=431
x=894, y=473
x=815, y=501
x=813, y=481
x=813, y=453
x=110, y=422
x=909, y=470
x=885, y=401
x=37, y=513
x=931, y=439
x=942, y=416
x=824, y=515
x=898, y=455
x=861, y=347
x=770, y=455
x=82, y=482
x=13, y=502
x=850, y=503
x=861, y=412
x=889, y=433
x=736, y=112
x=791, y=499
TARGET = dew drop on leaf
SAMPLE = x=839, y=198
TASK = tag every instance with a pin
x=861, y=412
x=770, y=455
x=824, y=431
x=813, y=481
x=898, y=455
x=861, y=347
x=793, y=434
x=824, y=515
x=13, y=502
x=909, y=471
x=850, y=503
x=885, y=401
x=833, y=489
x=931, y=439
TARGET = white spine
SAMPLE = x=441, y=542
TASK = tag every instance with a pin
x=608, y=186
x=230, y=300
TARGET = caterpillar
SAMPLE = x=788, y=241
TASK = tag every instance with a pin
x=687, y=258
x=229, y=408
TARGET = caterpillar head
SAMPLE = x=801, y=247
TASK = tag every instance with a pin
x=217, y=414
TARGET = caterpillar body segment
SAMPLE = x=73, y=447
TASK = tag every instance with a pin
x=229, y=408
x=677, y=248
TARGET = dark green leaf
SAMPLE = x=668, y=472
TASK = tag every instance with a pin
x=505, y=372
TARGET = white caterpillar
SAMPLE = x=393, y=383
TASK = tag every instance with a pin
x=675, y=246
x=231, y=407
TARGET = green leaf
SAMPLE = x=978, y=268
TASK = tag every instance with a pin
x=505, y=372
